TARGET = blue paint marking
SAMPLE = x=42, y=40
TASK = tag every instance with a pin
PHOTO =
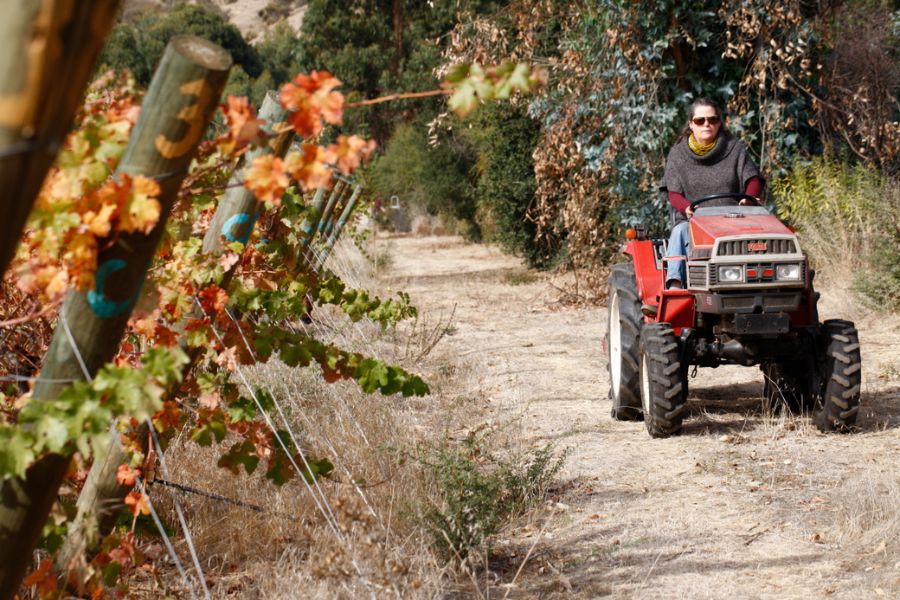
x=236, y=221
x=97, y=300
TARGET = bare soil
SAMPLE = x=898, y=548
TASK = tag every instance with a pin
x=742, y=505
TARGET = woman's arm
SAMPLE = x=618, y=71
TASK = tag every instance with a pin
x=678, y=201
x=754, y=187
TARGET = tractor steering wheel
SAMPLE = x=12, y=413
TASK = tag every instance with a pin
x=729, y=195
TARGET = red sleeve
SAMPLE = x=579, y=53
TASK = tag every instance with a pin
x=753, y=188
x=678, y=201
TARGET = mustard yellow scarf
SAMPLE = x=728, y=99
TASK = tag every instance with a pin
x=698, y=148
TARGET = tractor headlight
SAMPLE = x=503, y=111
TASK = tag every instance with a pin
x=787, y=272
x=731, y=274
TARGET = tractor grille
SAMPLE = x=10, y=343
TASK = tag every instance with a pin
x=755, y=247
x=697, y=276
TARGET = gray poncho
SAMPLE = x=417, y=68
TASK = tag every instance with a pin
x=725, y=168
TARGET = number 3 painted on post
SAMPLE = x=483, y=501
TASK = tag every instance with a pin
x=192, y=116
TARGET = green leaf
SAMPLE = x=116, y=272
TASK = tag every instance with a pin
x=458, y=73
x=16, y=451
x=52, y=432
x=464, y=100
x=242, y=409
x=241, y=453
x=204, y=435
x=280, y=470
x=318, y=468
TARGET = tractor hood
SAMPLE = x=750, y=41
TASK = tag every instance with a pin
x=710, y=224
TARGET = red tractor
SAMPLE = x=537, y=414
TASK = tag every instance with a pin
x=748, y=300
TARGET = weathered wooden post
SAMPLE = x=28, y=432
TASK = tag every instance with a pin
x=239, y=209
x=317, y=224
x=102, y=496
x=175, y=114
x=339, y=225
x=48, y=53
x=311, y=222
x=337, y=193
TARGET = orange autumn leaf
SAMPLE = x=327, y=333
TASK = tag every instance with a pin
x=99, y=222
x=348, y=152
x=81, y=257
x=308, y=166
x=137, y=503
x=312, y=98
x=43, y=577
x=168, y=417
x=267, y=179
x=142, y=210
x=213, y=299
x=243, y=125
x=126, y=475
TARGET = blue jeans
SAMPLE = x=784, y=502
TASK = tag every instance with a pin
x=679, y=245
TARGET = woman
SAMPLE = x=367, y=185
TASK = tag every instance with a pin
x=705, y=160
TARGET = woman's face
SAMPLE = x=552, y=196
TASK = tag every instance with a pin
x=704, y=131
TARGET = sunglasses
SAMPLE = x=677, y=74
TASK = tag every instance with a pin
x=701, y=121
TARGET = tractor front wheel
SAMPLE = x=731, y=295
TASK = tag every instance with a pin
x=841, y=376
x=623, y=334
x=663, y=381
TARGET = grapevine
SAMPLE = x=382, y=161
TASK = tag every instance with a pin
x=201, y=315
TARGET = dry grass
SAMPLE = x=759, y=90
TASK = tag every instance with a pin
x=375, y=492
x=380, y=492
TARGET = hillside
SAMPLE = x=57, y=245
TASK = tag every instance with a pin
x=252, y=17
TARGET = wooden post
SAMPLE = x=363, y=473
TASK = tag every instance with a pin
x=238, y=210
x=339, y=225
x=102, y=496
x=336, y=194
x=175, y=114
x=49, y=49
x=311, y=222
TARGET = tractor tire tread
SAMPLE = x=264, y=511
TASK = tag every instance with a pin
x=841, y=377
x=626, y=401
x=666, y=393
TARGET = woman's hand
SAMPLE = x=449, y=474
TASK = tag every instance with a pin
x=745, y=202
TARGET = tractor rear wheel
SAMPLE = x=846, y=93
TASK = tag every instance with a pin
x=624, y=332
x=841, y=376
x=663, y=381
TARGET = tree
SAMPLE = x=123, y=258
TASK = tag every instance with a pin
x=138, y=45
x=378, y=47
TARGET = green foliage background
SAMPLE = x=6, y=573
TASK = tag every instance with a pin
x=557, y=178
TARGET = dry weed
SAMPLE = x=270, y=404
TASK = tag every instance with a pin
x=867, y=525
x=363, y=531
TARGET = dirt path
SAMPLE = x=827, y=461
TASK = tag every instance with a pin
x=740, y=506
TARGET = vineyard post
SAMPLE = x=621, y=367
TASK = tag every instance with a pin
x=339, y=225
x=239, y=209
x=311, y=221
x=318, y=227
x=47, y=57
x=335, y=197
x=175, y=114
x=234, y=219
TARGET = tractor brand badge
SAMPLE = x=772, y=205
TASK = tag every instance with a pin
x=758, y=246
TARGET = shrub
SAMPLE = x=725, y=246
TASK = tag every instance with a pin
x=431, y=180
x=849, y=218
x=505, y=138
x=480, y=492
